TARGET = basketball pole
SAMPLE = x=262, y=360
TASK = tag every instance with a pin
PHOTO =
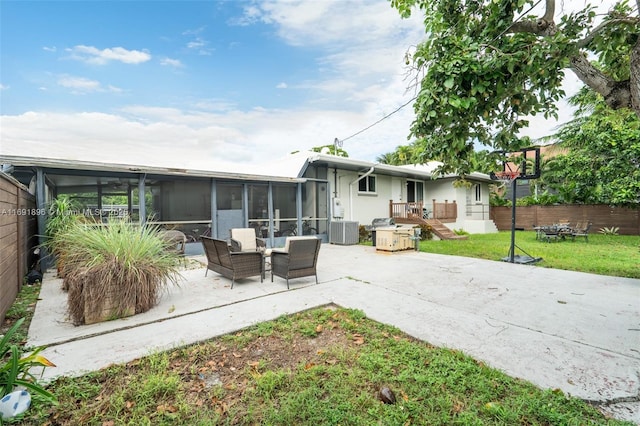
x=512, y=250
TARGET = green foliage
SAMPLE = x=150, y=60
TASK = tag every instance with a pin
x=62, y=214
x=426, y=232
x=403, y=154
x=482, y=75
x=333, y=150
x=602, y=165
x=331, y=377
x=609, y=230
x=364, y=234
x=15, y=369
x=22, y=307
x=460, y=231
x=498, y=200
x=603, y=254
x=134, y=261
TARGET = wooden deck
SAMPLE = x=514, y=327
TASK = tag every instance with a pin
x=413, y=214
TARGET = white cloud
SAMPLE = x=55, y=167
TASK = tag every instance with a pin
x=200, y=46
x=95, y=56
x=361, y=79
x=171, y=63
x=3, y=87
x=79, y=84
x=49, y=49
x=362, y=62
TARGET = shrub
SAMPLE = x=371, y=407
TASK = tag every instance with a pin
x=115, y=270
x=460, y=232
x=364, y=233
x=609, y=231
x=62, y=215
x=426, y=232
x=15, y=368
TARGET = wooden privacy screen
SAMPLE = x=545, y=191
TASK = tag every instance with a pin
x=18, y=229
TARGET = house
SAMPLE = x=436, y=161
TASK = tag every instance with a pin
x=304, y=191
x=362, y=191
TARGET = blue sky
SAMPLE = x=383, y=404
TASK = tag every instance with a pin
x=197, y=83
x=203, y=83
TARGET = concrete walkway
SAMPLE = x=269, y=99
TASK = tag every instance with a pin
x=573, y=331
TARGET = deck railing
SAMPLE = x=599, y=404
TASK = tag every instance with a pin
x=405, y=210
x=447, y=211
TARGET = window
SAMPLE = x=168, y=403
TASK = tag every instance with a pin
x=367, y=184
x=415, y=191
x=478, y=191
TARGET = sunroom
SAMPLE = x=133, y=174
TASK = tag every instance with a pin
x=196, y=202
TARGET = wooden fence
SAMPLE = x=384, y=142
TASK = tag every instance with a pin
x=601, y=216
x=18, y=229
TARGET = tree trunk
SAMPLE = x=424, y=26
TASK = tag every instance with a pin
x=635, y=78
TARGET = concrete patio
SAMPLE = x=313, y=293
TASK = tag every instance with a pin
x=572, y=331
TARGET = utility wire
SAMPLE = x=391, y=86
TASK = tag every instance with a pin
x=382, y=119
x=415, y=97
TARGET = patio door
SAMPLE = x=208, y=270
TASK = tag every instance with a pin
x=415, y=191
x=229, y=212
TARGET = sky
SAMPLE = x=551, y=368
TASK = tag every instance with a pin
x=206, y=84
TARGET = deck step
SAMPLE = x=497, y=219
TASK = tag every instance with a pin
x=437, y=227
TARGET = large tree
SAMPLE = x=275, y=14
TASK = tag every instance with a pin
x=486, y=65
x=602, y=160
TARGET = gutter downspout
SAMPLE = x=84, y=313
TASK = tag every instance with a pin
x=371, y=170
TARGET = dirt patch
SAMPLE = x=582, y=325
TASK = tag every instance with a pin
x=229, y=364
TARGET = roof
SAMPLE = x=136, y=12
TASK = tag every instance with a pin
x=62, y=166
x=288, y=169
x=417, y=171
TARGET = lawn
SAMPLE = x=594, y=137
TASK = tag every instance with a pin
x=325, y=366
x=615, y=255
x=328, y=365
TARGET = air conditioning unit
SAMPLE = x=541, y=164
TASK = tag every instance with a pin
x=344, y=232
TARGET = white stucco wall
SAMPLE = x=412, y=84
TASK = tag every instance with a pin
x=364, y=207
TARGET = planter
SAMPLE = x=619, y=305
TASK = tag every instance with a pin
x=109, y=308
x=92, y=299
x=115, y=271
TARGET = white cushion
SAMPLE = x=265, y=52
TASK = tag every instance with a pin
x=302, y=237
x=246, y=237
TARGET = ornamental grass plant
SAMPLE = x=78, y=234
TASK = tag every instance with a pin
x=115, y=270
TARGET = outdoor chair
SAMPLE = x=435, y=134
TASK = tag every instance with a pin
x=177, y=240
x=297, y=259
x=583, y=232
x=245, y=240
x=232, y=265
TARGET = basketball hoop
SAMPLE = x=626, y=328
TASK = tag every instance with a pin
x=507, y=176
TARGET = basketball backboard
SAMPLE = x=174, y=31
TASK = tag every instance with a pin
x=524, y=163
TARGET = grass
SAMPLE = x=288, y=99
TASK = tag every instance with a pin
x=327, y=366
x=323, y=366
x=23, y=307
x=614, y=255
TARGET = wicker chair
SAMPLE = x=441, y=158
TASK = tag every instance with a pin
x=232, y=265
x=298, y=258
x=177, y=240
x=581, y=232
x=244, y=239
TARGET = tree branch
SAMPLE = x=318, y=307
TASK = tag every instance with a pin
x=634, y=85
x=589, y=38
x=543, y=26
x=550, y=10
x=617, y=94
